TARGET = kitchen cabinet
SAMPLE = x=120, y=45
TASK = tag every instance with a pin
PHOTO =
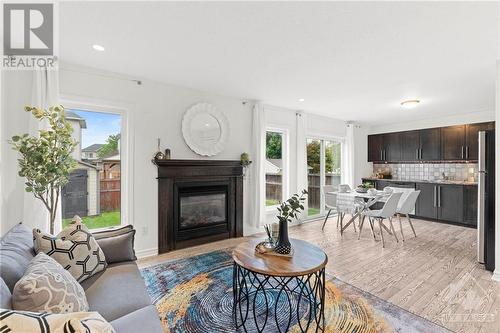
x=449, y=200
x=410, y=146
x=427, y=201
x=392, y=147
x=430, y=144
x=453, y=142
x=471, y=138
x=470, y=205
x=375, y=147
x=454, y=203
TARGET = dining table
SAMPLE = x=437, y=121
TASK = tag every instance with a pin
x=356, y=203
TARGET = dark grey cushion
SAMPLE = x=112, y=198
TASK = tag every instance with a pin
x=112, y=232
x=16, y=252
x=5, y=296
x=117, y=245
x=117, y=291
x=142, y=320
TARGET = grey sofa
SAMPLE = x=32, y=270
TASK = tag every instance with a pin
x=118, y=293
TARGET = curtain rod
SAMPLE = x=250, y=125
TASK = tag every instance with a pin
x=116, y=77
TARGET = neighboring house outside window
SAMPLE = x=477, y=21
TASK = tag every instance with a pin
x=94, y=189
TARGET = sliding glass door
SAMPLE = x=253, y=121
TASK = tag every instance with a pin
x=323, y=168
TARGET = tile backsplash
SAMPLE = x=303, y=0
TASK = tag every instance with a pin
x=453, y=171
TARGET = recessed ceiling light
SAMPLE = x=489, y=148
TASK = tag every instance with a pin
x=301, y=99
x=98, y=47
x=411, y=103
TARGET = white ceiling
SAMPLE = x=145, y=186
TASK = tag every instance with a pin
x=353, y=61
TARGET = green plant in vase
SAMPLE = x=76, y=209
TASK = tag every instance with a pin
x=288, y=211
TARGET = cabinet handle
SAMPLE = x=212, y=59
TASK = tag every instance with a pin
x=462, y=152
x=381, y=155
x=435, y=196
x=420, y=151
x=439, y=196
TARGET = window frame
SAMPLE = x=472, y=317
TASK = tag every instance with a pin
x=126, y=149
x=322, y=162
x=285, y=162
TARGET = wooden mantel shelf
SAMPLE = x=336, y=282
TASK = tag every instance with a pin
x=190, y=168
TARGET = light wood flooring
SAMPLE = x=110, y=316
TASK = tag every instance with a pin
x=434, y=275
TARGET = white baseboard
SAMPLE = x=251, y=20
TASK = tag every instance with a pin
x=146, y=253
x=496, y=275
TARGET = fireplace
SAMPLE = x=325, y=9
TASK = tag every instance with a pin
x=198, y=202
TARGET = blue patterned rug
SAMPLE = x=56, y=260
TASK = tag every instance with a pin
x=194, y=295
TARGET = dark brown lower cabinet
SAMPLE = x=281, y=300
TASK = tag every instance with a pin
x=443, y=202
x=426, y=203
x=450, y=202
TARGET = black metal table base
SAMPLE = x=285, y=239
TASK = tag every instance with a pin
x=265, y=303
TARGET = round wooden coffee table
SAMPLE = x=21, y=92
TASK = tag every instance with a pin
x=271, y=291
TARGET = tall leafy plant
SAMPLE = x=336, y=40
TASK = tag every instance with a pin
x=45, y=160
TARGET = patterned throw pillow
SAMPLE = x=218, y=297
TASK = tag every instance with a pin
x=74, y=248
x=47, y=287
x=32, y=322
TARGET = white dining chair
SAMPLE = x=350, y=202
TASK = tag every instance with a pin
x=387, y=212
x=330, y=204
x=406, y=207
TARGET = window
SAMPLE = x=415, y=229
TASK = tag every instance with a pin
x=323, y=168
x=275, y=167
x=94, y=188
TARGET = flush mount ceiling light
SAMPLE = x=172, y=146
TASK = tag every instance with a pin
x=301, y=99
x=98, y=47
x=409, y=104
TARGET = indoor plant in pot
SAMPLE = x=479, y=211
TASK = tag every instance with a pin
x=287, y=212
x=45, y=160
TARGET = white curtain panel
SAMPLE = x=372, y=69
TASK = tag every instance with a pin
x=45, y=93
x=348, y=154
x=301, y=123
x=258, y=174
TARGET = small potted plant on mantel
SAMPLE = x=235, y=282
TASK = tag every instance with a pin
x=287, y=212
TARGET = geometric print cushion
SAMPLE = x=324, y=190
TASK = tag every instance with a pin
x=32, y=322
x=47, y=287
x=74, y=248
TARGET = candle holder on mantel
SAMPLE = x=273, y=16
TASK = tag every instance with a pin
x=159, y=155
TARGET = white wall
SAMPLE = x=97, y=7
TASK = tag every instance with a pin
x=154, y=110
x=16, y=93
x=362, y=168
x=458, y=119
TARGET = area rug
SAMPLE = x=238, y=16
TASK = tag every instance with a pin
x=194, y=295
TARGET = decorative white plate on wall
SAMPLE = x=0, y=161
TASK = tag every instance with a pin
x=205, y=129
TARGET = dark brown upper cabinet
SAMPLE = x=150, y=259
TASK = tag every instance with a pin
x=392, y=147
x=453, y=143
x=410, y=146
x=375, y=148
x=471, y=138
x=430, y=144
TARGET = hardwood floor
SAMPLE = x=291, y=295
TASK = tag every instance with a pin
x=434, y=275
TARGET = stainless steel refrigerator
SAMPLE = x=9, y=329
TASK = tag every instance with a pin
x=486, y=200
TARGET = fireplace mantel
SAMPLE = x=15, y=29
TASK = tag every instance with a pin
x=179, y=176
